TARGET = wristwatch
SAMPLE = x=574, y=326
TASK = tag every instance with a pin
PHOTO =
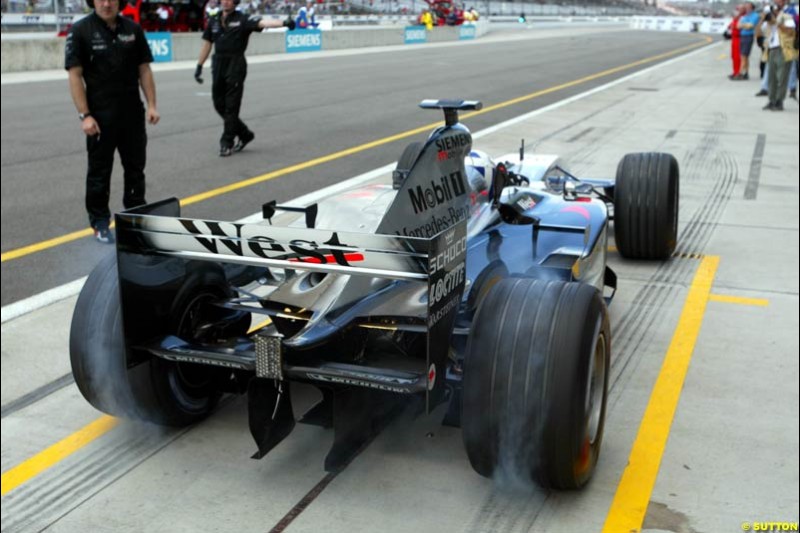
x=84, y=115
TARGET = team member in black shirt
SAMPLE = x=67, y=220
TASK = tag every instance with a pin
x=229, y=30
x=107, y=57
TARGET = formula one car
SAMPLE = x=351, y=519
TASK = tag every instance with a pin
x=481, y=285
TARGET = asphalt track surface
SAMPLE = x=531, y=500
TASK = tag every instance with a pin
x=702, y=425
x=299, y=110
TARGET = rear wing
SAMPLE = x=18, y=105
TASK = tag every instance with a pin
x=161, y=256
x=142, y=231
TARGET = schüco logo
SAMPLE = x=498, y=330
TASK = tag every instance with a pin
x=447, y=188
x=304, y=41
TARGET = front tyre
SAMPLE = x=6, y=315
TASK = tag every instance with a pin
x=646, y=206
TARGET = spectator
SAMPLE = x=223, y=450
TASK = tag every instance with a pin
x=747, y=25
x=761, y=29
x=305, y=17
x=229, y=31
x=782, y=53
x=104, y=80
x=468, y=15
x=132, y=11
x=793, y=78
x=733, y=33
x=426, y=19
x=763, y=90
x=163, y=14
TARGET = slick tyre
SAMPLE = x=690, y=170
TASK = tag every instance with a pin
x=156, y=390
x=646, y=206
x=536, y=382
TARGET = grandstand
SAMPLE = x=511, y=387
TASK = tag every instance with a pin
x=399, y=7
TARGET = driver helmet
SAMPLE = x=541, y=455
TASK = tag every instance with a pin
x=480, y=169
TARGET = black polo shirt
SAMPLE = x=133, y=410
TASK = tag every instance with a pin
x=231, y=36
x=110, y=59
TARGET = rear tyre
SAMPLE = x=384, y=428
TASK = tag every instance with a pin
x=157, y=390
x=536, y=381
x=646, y=206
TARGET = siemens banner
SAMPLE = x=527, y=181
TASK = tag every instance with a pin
x=466, y=31
x=303, y=41
x=415, y=34
x=160, y=45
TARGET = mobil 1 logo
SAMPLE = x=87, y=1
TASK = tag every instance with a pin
x=437, y=192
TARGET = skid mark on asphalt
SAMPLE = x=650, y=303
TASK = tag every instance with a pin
x=709, y=143
x=45, y=499
x=505, y=511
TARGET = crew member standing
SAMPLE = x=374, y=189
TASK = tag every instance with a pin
x=108, y=58
x=229, y=30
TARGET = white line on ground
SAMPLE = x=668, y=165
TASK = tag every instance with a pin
x=43, y=299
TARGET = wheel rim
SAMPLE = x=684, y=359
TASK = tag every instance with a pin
x=595, y=387
x=189, y=382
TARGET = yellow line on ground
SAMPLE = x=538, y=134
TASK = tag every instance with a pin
x=50, y=243
x=56, y=453
x=61, y=450
x=723, y=56
x=633, y=493
x=725, y=298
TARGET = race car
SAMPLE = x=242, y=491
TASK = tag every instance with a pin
x=465, y=282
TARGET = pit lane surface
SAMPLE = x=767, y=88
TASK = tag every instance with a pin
x=732, y=454
x=299, y=111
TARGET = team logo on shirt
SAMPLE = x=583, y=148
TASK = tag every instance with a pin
x=126, y=37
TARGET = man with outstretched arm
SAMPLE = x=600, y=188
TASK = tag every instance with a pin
x=229, y=30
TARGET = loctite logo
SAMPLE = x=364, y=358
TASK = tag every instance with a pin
x=441, y=191
x=446, y=284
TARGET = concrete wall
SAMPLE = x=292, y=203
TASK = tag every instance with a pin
x=31, y=54
x=45, y=54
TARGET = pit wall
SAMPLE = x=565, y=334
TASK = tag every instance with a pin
x=687, y=24
x=48, y=53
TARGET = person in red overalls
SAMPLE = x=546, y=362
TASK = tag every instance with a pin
x=733, y=31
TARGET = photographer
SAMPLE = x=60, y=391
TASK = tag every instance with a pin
x=780, y=42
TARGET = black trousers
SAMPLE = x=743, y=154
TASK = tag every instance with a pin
x=229, y=73
x=121, y=130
